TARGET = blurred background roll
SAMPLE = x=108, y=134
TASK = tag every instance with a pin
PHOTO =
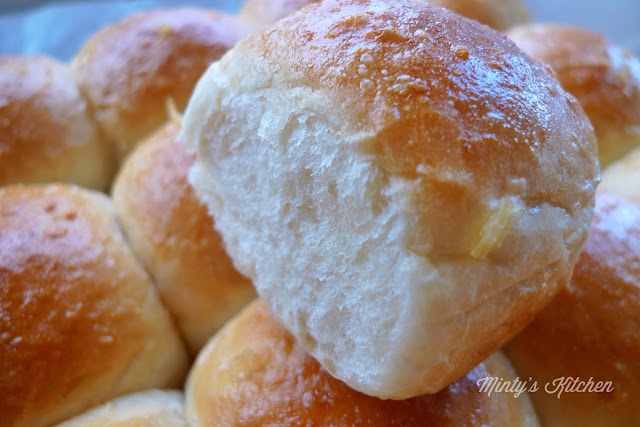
x=172, y=233
x=592, y=328
x=604, y=77
x=46, y=131
x=128, y=70
x=253, y=373
x=151, y=408
x=623, y=176
x=257, y=14
x=80, y=320
x=498, y=14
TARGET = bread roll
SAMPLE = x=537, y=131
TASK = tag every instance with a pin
x=129, y=69
x=80, y=320
x=498, y=14
x=604, y=77
x=623, y=176
x=253, y=373
x=405, y=188
x=257, y=14
x=151, y=408
x=172, y=233
x=46, y=132
x=591, y=330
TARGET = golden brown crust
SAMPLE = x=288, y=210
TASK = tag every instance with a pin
x=174, y=236
x=602, y=76
x=253, y=374
x=47, y=133
x=80, y=322
x=128, y=70
x=498, y=14
x=592, y=328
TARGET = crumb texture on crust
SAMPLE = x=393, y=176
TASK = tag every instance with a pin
x=592, y=327
x=406, y=191
x=172, y=233
x=255, y=374
x=81, y=322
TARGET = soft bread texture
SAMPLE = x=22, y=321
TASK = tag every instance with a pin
x=46, y=132
x=80, y=320
x=129, y=69
x=498, y=14
x=623, y=176
x=151, y=408
x=404, y=186
x=604, y=77
x=253, y=373
x=592, y=328
x=172, y=233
